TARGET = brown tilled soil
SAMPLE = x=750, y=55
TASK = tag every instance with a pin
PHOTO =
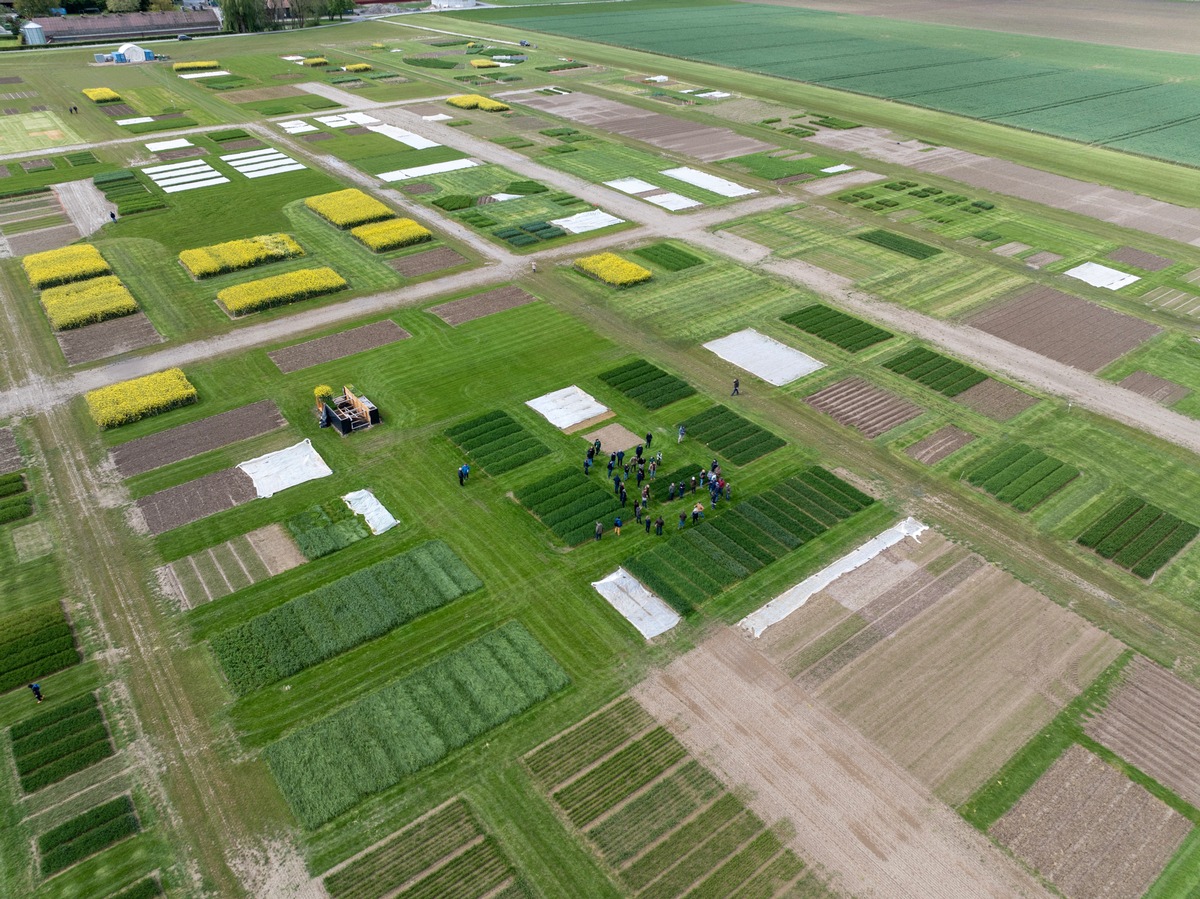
x=940, y=444
x=857, y=404
x=1041, y=259
x=855, y=812
x=418, y=188
x=45, y=239
x=996, y=400
x=10, y=456
x=248, y=143
x=213, y=493
x=613, y=438
x=1153, y=721
x=194, y=438
x=11, y=79
x=1091, y=831
x=1147, y=262
x=337, y=346
x=1158, y=389
x=354, y=130
x=427, y=262
x=110, y=338
x=317, y=136
x=1064, y=328
x=182, y=153
x=261, y=93
x=119, y=110
x=489, y=303
x=231, y=566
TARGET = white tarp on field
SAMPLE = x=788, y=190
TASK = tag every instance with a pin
x=140, y=120
x=714, y=95
x=364, y=503
x=593, y=220
x=296, y=126
x=1101, y=276
x=286, y=468
x=360, y=118
x=641, y=608
x=631, y=185
x=161, y=145
x=420, y=171
x=708, y=182
x=774, y=362
x=567, y=407
x=438, y=117
x=189, y=76
x=786, y=603
x=835, y=169
x=405, y=137
x=672, y=201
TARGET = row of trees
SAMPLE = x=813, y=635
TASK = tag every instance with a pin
x=260, y=15
x=28, y=9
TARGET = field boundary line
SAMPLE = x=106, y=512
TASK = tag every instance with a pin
x=683, y=822
x=437, y=865
x=632, y=738
x=369, y=849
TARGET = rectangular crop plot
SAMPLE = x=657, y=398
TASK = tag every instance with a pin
x=176, y=506
x=667, y=255
x=995, y=399
x=10, y=456
x=482, y=304
x=570, y=503
x=890, y=240
x=33, y=644
x=729, y=435
x=1064, y=328
x=1091, y=831
x=857, y=404
x=1138, y=536
x=850, y=333
x=57, y=743
x=947, y=376
x=940, y=444
x=371, y=744
x=647, y=384
x=1021, y=476
x=497, y=442
x=1147, y=262
x=340, y=615
x=338, y=346
x=87, y=834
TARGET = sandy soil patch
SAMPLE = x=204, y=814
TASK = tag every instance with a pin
x=1091, y=831
x=213, y=493
x=32, y=542
x=10, y=456
x=482, y=304
x=231, y=566
x=837, y=183
x=194, y=438
x=248, y=143
x=1147, y=262
x=1158, y=389
x=996, y=400
x=857, y=404
x=85, y=205
x=427, y=262
x=261, y=93
x=1153, y=721
x=940, y=444
x=855, y=811
x=1011, y=249
x=1041, y=259
x=110, y=338
x=44, y=239
x=338, y=346
x=614, y=438
x=1064, y=328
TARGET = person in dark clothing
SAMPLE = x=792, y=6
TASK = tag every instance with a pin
x=658, y=525
x=641, y=475
x=671, y=491
x=596, y=446
x=649, y=439
x=599, y=530
x=648, y=524
x=37, y=691
x=462, y=478
x=616, y=483
x=736, y=387
x=682, y=519
x=591, y=453
x=624, y=495
x=620, y=457
x=638, y=451
x=610, y=467
x=587, y=465
x=693, y=485
x=617, y=526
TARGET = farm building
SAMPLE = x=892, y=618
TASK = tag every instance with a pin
x=121, y=26
x=33, y=34
x=134, y=53
x=348, y=412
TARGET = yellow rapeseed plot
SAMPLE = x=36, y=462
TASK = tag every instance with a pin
x=391, y=234
x=74, y=263
x=612, y=269
x=101, y=94
x=358, y=67
x=347, y=208
x=484, y=64
x=85, y=302
x=234, y=255
x=128, y=401
x=477, y=101
x=197, y=66
x=316, y=61
x=280, y=290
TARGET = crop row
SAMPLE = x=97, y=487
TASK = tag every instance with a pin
x=734, y=872
x=647, y=384
x=947, y=376
x=706, y=857
x=33, y=644
x=325, y=528
x=369, y=745
x=1138, y=535
x=1021, y=476
x=87, y=834
x=850, y=333
x=478, y=872
x=497, y=442
x=569, y=503
x=890, y=240
x=80, y=303
x=731, y=436
x=143, y=889
x=340, y=615
x=668, y=256
x=48, y=748
x=686, y=839
x=579, y=747
x=620, y=775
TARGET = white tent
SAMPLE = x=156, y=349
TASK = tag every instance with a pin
x=33, y=33
x=133, y=53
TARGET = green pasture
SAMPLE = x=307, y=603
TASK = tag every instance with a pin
x=376, y=153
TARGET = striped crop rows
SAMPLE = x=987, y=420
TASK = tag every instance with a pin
x=1021, y=476
x=56, y=744
x=570, y=503
x=731, y=436
x=850, y=333
x=647, y=384
x=33, y=644
x=1138, y=536
x=946, y=376
x=497, y=442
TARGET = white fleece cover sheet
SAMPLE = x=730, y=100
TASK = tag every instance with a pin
x=364, y=503
x=641, y=608
x=285, y=468
x=567, y=407
x=774, y=362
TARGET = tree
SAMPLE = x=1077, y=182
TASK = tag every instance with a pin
x=162, y=5
x=124, y=5
x=244, y=15
x=27, y=9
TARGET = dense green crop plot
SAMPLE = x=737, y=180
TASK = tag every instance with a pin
x=947, y=376
x=1138, y=535
x=850, y=333
x=33, y=644
x=57, y=743
x=570, y=503
x=497, y=442
x=1021, y=476
x=326, y=527
x=731, y=436
x=667, y=255
x=87, y=834
x=647, y=384
x=890, y=240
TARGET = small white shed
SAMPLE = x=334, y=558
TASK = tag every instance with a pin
x=33, y=33
x=134, y=53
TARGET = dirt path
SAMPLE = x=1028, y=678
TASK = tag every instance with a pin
x=85, y=205
x=856, y=812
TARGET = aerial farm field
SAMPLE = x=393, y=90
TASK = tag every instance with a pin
x=432, y=466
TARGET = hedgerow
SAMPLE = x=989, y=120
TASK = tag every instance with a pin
x=497, y=442
x=846, y=331
x=34, y=643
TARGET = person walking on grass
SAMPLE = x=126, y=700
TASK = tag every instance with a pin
x=658, y=526
x=653, y=469
x=616, y=484
x=682, y=519
x=587, y=465
x=682, y=434
x=736, y=387
x=624, y=496
x=693, y=486
x=649, y=439
x=637, y=512
x=462, y=475
x=671, y=492
x=620, y=457
x=617, y=526
x=596, y=446
x=599, y=530
x=648, y=523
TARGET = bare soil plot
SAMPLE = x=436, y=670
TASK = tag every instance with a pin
x=194, y=438
x=837, y=183
x=857, y=404
x=613, y=438
x=1158, y=389
x=1153, y=721
x=317, y=136
x=44, y=239
x=489, y=303
x=996, y=400
x=1064, y=328
x=231, y=566
x=10, y=456
x=1147, y=262
x=417, y=188
x=110, y=338
x=337, y=346
x=855, y=811
x=248, y=143
x=261, y=93
x=1091, y=831
x=703, y=142
x=1042, y=259
x=940, y=444
x=427, y=262
x=182, y=153
x=213, y=493
x=1011, y=249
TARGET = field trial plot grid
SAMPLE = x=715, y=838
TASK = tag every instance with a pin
x=857, y=404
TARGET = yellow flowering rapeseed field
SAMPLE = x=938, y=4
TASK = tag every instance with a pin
x=612, y=269
x=347, y=208
x=196, y=66
x=358, y=67
x=234, y=255
x=316, y=61
x=128, y=401
x=101, y=94
x=280, y=290
x=61, y=266
x=484, y=64
x=85, y=302
x=477, y=101
x=391, y=234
